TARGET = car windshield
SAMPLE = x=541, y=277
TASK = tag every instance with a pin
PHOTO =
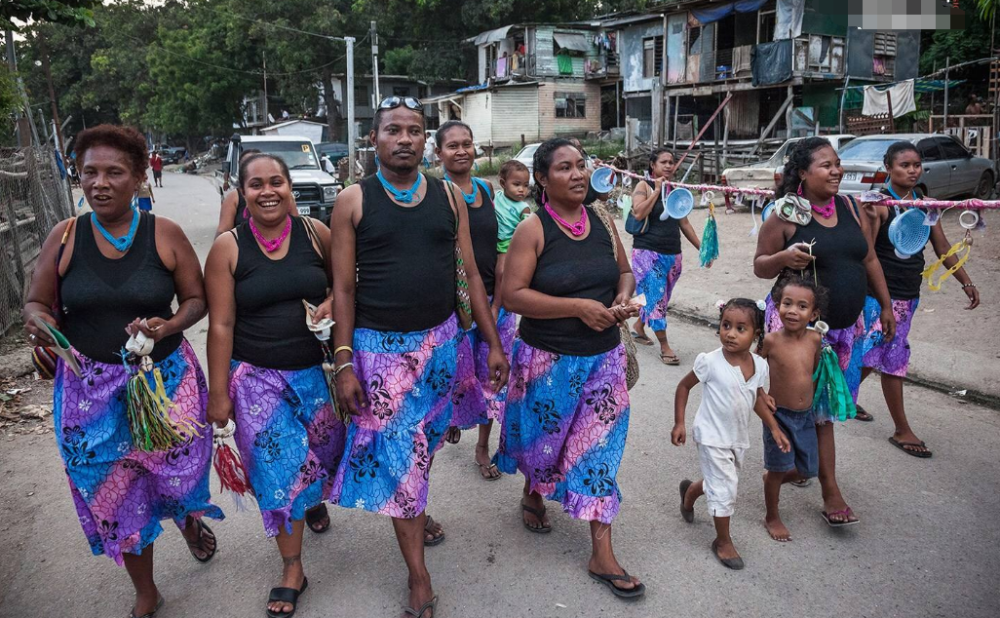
x=527, y=152
x=297, y=155
x=866, y=149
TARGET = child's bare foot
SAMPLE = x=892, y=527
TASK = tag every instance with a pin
x=776, y=528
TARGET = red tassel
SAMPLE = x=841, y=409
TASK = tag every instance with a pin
x=229, y=467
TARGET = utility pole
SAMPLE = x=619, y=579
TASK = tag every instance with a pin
x=267, y=117
x=352, y=131
x=377, y=90
x=47, y=68
x=947, y=63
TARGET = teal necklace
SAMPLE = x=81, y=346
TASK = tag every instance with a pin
x=120, y=244
x=403, y=196
x=470, y=198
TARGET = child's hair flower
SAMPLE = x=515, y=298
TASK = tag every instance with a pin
x=762, y=305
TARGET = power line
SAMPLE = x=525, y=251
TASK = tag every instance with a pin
x=271, y=25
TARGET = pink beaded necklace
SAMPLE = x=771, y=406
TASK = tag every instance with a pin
x=824, y=210
x=576, y=229
x=271, y=245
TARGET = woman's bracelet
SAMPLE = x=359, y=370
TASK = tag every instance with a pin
x=342, y=348
x=339, y=368
x=968, y=285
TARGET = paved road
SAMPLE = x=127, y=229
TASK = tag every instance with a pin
x=926, y=547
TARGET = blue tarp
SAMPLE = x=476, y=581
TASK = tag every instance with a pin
x=771, y=63
x=713, y=14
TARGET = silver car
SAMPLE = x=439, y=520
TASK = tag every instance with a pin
x=950, y=170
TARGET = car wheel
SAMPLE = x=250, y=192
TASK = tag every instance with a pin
x=985, y=187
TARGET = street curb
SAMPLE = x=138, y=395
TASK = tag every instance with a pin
x=971, y=396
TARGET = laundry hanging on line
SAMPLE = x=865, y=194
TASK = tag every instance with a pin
x=903, y=102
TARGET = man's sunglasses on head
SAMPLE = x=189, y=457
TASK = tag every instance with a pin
x=410, y=103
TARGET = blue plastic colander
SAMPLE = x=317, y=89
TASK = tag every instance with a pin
x=603, y=180
x=908, y=234
x=679, y=203
x=764, y=214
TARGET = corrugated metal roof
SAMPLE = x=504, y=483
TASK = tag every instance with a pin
x=572, y=41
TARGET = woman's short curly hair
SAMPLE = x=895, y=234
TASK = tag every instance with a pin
x=126, y=139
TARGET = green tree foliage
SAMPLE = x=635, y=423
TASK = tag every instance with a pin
x=972, y=43
x=54, y=11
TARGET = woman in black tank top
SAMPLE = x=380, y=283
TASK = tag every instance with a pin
x=111, y=269
x=903, y=278
x=656, y=254
x=842, y=260
x=476, y=401
x=266, y=365
x=568, y=392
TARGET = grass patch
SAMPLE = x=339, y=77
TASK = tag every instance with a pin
x=486, y=168
x=603, y=150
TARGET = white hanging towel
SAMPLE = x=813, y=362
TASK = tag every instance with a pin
x=788, y=22
x=902, y=100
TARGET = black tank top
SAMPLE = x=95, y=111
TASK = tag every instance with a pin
x=840, y=252
x=405, y=260
x=101, y=295
x=241, y=209
x=270, y=329
x=573, y=269
x=484, y=229
x=662, y=236
x=902, y=276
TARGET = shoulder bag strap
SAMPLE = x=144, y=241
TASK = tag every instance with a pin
x=853, y=207
x=313, y=236
x=57, y=297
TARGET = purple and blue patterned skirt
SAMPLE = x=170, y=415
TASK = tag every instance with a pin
x=288, y=437
x=476, y=401
x=565, y=428
x=892, y=357
x=408, y=379
x=121, y=493
x=656, y=274
x=842, y=340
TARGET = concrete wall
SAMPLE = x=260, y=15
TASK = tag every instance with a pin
x=630, y=54
x=550, y=126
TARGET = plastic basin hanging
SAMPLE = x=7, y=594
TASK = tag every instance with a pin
x=908, y=234
x=603, y=180
x=679, y=203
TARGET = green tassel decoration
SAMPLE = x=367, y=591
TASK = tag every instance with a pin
x=149, y=422
x=833, y=398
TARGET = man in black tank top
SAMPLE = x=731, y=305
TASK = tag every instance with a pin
x=394, y=296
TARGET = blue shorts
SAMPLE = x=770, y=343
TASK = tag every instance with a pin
x=800, y=429
x=145, y=204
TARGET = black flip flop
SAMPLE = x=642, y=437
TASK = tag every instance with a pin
x=159, y=604
x=199, y=545
x=686, y=514
x=429, y=605
x=286, y=595
x=540, y=514
x=622, y=593
x=641, y=339
x=735, y=564
x=453, y=435
x=437, y=540
x=315, y=515
x=863, y=415
x=485, y=469
x=902, y=446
